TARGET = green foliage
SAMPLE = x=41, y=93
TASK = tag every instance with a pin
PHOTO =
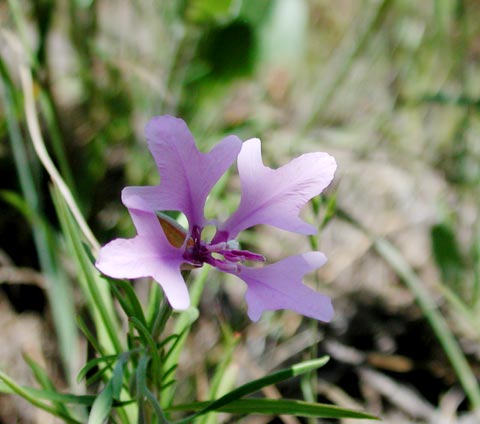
x=95, y=289
x=256, y=385
x=102, y=406
x=231, y=402
x=284, y=407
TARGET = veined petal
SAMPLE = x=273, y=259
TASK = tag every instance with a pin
x=186, y=174
x=275, y=196
x=149, y=254
x=279, y=286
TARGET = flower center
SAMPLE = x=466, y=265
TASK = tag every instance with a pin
x=225, y=255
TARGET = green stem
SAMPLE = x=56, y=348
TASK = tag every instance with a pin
x=161, y=319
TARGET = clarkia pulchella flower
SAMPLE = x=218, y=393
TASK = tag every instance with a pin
x=274, y=197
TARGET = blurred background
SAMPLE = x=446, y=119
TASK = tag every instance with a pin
x=391, y=88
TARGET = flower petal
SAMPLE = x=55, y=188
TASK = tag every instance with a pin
x=275, y=196
x=147, y=255
x=186, y=174
x=279, y=286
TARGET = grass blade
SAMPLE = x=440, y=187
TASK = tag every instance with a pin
x=102, y=406
x=108, y=360
x=95, y=288
x=30, y=397
x=256, y=385
x=278, y=407
x=45, y=382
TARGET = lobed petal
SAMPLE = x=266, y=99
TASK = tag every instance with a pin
x=276, y=196
x=147, y=255
x=145, y=198
x=279, y=286
x=186, y=174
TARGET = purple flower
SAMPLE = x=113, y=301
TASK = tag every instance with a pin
x=162, y=248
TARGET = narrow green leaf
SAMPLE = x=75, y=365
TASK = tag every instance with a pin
x=166, y=385
x=156, y=406
x=117, y=378
x=30, y=396
x=95, y=288
x=169, y=371
x=65, y=398
x=44, y=380
x=268, y=380
x=151, y=345
x=157, y=325
x=167, y=340
x=53, y=396
x=143, y=333
x=109, y=359
x=102, y=374
x=141, y=386
x=278, y=407
x=102, y=406
x=122, y=300
x=155, y=296
x=173, y=350
x=90, y=337
x=130, y=295
x=39, y=373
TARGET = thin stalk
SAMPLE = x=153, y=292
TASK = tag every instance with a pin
x=40, y=149
x=156, y=407
x=47, y=106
